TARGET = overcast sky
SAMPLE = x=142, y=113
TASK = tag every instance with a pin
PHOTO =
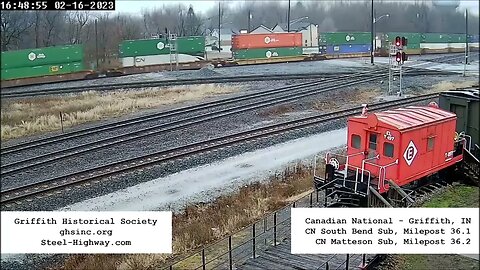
x=135, y=6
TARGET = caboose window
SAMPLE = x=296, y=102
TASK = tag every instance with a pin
x=356, y=141
x=430, y=143
x=373, y=141
x=388, y=149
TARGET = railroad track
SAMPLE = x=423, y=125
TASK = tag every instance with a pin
x=17, y=194
x=158, y=116
x=305, y=90
x=163, y=83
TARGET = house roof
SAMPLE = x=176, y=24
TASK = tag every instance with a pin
x=263, y=27
x=296, y=26
x=407, y=118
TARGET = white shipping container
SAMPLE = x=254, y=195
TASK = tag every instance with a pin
x=151, y=60
x=434, y=46
x=128, y=61
x=457, y=45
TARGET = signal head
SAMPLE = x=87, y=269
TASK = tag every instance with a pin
x=404, y=41
x=398, y=57
x=397, y=41
x=404, y=57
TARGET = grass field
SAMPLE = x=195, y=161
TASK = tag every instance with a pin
x=39, y=115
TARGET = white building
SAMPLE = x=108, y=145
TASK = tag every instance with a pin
x=225, y=35
x=309, y=32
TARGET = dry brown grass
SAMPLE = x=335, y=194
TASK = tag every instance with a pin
x=37, y=115
x=345, y=98
x=448, y=85
x=277, y=110
x=202, y=224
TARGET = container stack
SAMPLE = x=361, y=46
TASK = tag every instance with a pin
x=346, y=42
x=147, y=52
x=42, y=62
x=265, y=46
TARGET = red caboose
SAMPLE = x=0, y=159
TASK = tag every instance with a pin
x=401, y=145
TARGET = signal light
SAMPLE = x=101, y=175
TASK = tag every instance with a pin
x=404, y=57
x=398, y=57
x=404, y=41
x=397, y=41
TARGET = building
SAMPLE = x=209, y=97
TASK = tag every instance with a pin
x=225, y=35
x=309, y=32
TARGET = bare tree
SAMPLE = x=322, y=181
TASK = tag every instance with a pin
x=13, y=25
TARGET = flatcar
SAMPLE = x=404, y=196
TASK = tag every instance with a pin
x=390, y=150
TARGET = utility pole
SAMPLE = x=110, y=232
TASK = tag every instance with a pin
x=96, y=43
x=219, y=22
x=288, y=17
x=372, y=37
x=466, y=35
x=466, y=43
x=249, y=19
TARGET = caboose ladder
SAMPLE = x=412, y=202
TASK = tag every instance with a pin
x=400, y=191
x=378, y=196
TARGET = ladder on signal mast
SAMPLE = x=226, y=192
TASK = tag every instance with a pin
x=172, y=43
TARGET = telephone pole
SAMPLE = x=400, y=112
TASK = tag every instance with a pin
x=219, y=22
x=372, y=50
x=288, y=17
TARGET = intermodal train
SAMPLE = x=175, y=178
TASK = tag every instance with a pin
x=391, y=152
x=69, y=62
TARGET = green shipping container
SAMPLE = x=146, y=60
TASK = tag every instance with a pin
x=414, y=39
x=457, y=38
x=267, y=53
x=348, y=38
x=42, y=56
x=185, y=45
x=45, y=70
x=435, y=38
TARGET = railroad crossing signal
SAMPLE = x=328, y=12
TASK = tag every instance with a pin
x=398, y=57
x=397, y=41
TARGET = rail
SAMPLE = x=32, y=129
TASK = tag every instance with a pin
x=237, y=248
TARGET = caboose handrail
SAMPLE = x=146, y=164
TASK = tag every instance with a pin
x=365, y=160
x=357, y=169
x=383, y=168
x=346, y=162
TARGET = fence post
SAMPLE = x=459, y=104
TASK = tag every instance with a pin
x=230, y=252
x=294, y=204
x=265, y=229
x=363, y=260
x=275, y=229
x=61, y=120
x=327, y=266
x=253, y=239
x=317, y=195
x=346, y=262
x=203, y=259
x=311, y=200
x=171, y=267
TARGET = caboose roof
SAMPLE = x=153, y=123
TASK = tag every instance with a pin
x=407, y=118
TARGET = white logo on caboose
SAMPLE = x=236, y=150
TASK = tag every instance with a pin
x=410, y=153
x=388, y=136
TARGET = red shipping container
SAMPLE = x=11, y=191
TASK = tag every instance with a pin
x=270, y=40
